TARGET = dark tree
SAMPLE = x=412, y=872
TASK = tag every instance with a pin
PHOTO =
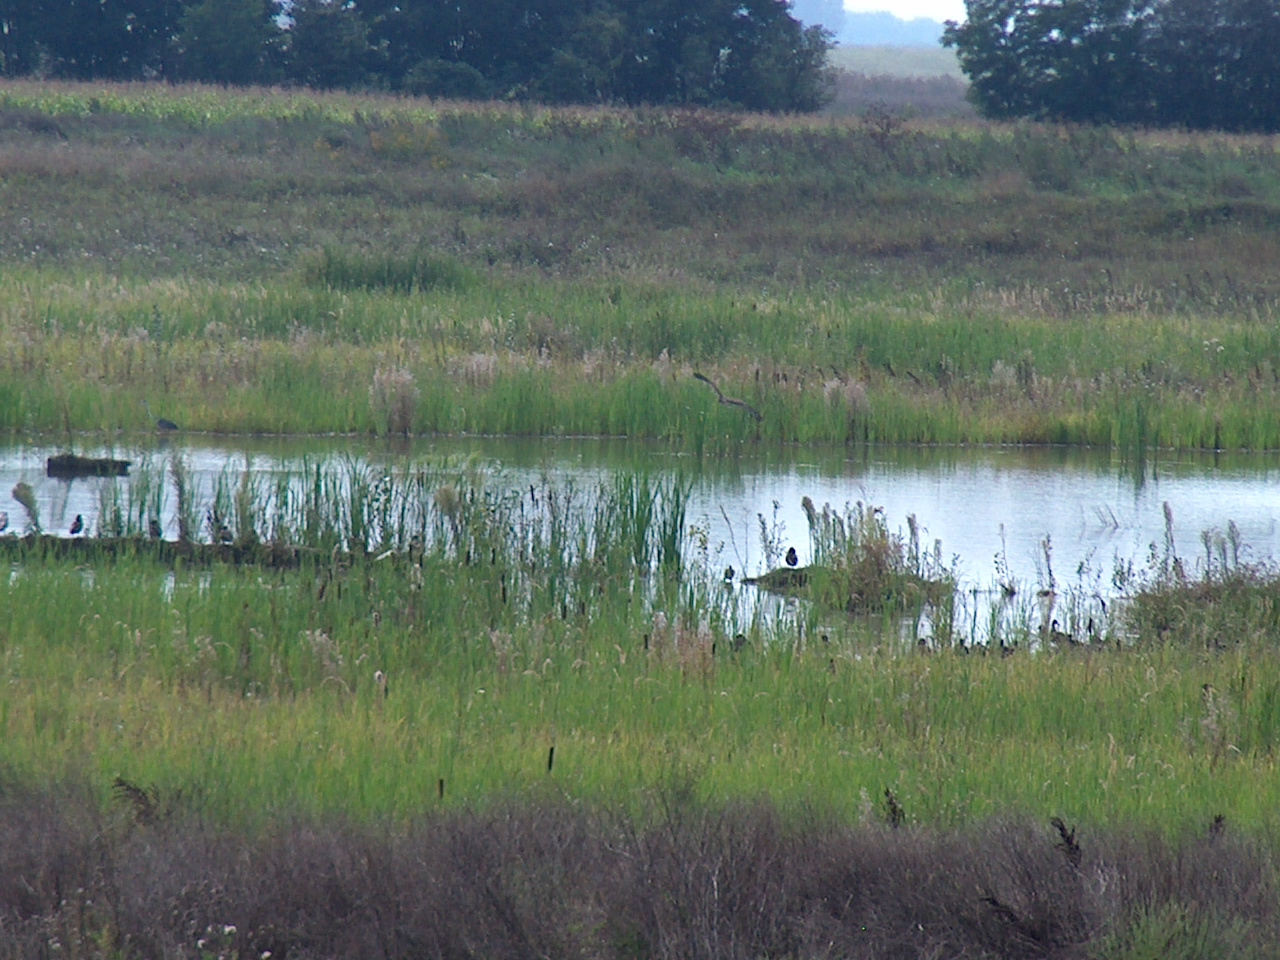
x=776, y=64
x=750, y=53
x=110, y=39
x=229, y=41
x=327, y=45
x=1070, y=59
x=19, y=37
x=746, y=53
x=1197, y=63
x=1217, y=63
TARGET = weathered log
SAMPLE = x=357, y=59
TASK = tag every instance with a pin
x=69, y=466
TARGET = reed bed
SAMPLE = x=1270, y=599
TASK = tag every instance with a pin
x=445, y=641
x=533, y=359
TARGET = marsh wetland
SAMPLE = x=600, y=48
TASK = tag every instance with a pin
x=410, y=633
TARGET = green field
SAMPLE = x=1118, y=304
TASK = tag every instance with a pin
x=543, y=694
x=897, y=61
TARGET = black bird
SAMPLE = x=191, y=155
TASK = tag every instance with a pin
x=77, y=525
x=729, y=401
x=163, y=425
x=792, y=557
x=4, y=521
x=153, y=528
x=220, y=532
x=729, y=572
x=1059, y=637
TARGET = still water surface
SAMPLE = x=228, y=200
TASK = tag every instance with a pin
x=981, y=504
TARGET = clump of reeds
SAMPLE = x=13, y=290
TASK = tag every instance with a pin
x=186, y=510
x=1219, y=602
x=394, y=397
x=26, y=496
x=352, y=270
x=860, y=565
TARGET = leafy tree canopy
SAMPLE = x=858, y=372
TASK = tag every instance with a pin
x=1198, y=63
x=746, y=53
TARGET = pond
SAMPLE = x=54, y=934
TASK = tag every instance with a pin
x=993, y=510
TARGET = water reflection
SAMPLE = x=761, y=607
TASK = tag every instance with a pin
x=1039, y=518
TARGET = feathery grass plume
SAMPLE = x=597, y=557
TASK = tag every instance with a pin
x=23, y=493
x=393, y=395
x=246, y=503
x=186, y=509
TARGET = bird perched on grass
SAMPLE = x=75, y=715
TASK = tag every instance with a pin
x=1060, y=637
x=729, y=401
x=792, y=557
x=77, y=525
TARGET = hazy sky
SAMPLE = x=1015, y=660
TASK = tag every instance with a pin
x=910, y=9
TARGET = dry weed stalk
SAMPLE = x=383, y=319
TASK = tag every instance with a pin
x=475, y=369
x=394, y=397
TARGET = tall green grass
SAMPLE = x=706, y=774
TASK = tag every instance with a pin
x=506, y=624
x=411, y=273
x=531, y=358
x=251, y=694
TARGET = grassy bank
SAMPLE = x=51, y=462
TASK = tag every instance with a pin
x=252, y=262
x=254, y=711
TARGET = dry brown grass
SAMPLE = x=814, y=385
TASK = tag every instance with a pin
x=551, y=879
x=690, y=194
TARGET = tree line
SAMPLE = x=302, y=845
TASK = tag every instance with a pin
x=1203, y=64
x=745, y=53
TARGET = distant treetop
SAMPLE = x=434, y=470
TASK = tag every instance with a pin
x=749, y=54
x=1196, y=63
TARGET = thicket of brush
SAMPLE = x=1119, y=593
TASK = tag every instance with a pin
x=552, y=878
